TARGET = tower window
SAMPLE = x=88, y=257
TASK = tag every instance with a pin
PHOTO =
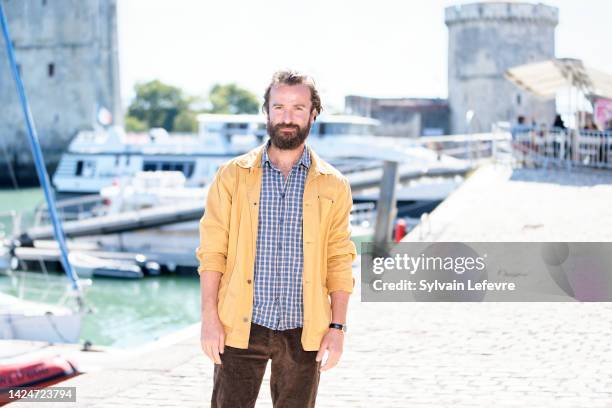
x=518, y=99
x=44, y=2
x=51, y=69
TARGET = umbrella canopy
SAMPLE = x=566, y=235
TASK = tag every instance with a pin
x=545, y=78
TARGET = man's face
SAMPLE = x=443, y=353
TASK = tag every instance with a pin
x=289, y=115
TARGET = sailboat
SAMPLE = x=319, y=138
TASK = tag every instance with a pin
x=29, y=320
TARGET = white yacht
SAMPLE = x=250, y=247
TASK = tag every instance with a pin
x=96, y=159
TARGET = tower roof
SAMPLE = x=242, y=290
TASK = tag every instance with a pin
x=502, y=10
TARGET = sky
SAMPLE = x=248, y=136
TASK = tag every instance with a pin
x=384, y=48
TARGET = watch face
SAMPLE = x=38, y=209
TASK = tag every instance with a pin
x=338, y=326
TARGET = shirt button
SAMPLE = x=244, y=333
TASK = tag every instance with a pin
x=248, y=281
x=245, y=319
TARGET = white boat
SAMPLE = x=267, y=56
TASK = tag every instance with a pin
x=27, y=320
x=148, y=189
x=95, y=159
x=87, y=265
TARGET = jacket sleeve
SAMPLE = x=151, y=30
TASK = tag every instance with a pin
x=341, y=251
x=215, y=223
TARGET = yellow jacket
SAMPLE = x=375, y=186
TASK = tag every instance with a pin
x=228, y=236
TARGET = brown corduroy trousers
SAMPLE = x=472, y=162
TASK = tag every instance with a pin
x=294, y=378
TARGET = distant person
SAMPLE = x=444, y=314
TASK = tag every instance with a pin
x=558, y=123
x=559, y=126
x=590, y=125
x=607, y=135
x=519, y=127
x=274, y=248
x=518, y=131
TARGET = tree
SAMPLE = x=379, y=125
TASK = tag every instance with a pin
x=185, y=122
x=133, y=124
x=157, y=104
x=230, y=98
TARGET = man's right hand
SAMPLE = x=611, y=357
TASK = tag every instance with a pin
x=212, y=336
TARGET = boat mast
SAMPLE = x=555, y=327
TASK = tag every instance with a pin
x=39, y=161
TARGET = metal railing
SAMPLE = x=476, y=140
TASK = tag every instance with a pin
x=71, y=209
x=10, y=224
x=473, y=147
x=562, y=147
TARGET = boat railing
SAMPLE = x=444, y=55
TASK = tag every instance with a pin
x=41, y=287
x=363, y=213
x=71, y=209
x=10, y=224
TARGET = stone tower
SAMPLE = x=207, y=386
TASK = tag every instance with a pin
x=485, y=39
x=67, y=53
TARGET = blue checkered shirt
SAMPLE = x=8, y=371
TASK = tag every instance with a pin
x=279, y=260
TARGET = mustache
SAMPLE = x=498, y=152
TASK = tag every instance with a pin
x=286, y=126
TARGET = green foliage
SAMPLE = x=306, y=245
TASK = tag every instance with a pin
x=157, y=104
x=133, y=124
x=161, y=105
x=230, y=98
x=185, y=122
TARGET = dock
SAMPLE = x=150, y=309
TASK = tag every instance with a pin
x=499, y=203
x=432, y=354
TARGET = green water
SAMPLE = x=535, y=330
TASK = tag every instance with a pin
x=127, y=312
x=24, y=199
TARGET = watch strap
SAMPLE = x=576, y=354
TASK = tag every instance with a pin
x=337, y=326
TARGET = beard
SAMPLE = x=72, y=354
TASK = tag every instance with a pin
x=287, y=136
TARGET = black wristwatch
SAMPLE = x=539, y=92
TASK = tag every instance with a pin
x=338, y=326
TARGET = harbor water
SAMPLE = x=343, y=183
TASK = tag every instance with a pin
x=127, y=312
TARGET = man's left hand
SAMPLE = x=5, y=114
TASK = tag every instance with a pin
x=332, y=342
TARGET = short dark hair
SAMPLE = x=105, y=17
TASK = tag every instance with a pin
x=289, y=77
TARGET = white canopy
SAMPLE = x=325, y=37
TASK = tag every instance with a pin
x=545, y=78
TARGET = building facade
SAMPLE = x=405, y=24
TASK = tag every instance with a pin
x=402, y=117
x=67, y=53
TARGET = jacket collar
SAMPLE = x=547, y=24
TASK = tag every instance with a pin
x=253, y=159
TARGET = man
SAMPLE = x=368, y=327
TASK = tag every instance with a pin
x=274, y=248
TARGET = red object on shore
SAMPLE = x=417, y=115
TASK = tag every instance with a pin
x=400, y=230
x=39, y=372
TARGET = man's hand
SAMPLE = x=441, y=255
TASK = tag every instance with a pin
x=332, y=342
x=212, y=336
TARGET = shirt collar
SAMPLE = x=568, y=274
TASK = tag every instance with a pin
x=304, y=158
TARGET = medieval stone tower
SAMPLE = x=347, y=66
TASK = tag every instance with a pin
x=485, y=39
x=67, y=52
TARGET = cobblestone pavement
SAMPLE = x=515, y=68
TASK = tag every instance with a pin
x=437, y=354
